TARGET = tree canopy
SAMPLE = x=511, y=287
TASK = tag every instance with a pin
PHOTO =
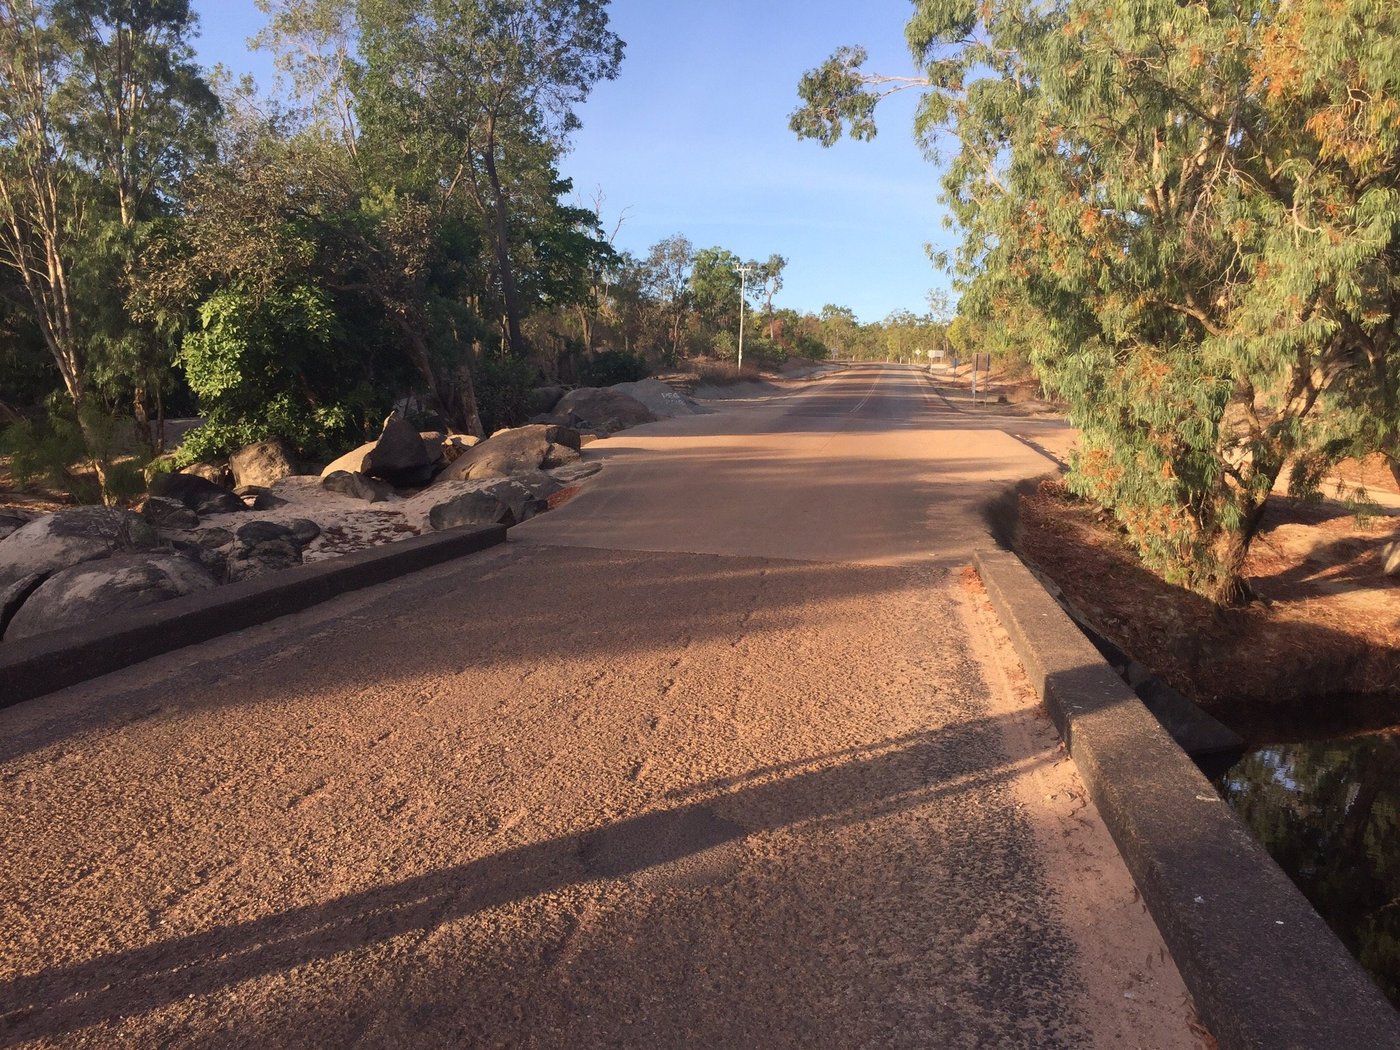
x=1186, y=216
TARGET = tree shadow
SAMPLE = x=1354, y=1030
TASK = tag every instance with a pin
x=1263, y=675
x=846, y=787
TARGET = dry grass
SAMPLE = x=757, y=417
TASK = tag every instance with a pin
x=711, y=372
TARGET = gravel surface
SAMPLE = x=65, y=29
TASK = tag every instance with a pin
x=574, y=796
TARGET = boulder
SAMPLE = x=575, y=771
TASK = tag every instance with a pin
x=199, y=494
x=660, y=399
x=14, y=595
x=357, y=486
x=560, y=456
x=304, y=529
x=213, y=539
x=217, y=473
x=12, y=519
x=68, y=537
x=601, y=408
x=1390, y=559
x=537, y=484
x=432, y=443
x=455, y=444
x=544, y=398
x=263, y=463
x=471, y=508
x=575, y=472
x=265, y=500
x=169, y=514
x=260, y=547
x=214, y=561
x=399, y=456
x=566, y=436
x=352, y=462
x=505, y=453
x=114, y=585
x=470, y=502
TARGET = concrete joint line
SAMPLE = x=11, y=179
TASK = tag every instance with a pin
x=52, y=661
x=1265, y=970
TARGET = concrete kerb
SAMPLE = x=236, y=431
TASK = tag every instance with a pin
x=35, y=666
x=1265, y=970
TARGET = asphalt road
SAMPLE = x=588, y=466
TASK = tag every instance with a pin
x=723, y=753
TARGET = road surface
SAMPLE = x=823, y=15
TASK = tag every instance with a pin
x=726, y=752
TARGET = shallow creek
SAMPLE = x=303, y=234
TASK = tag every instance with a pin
x=1328, y=811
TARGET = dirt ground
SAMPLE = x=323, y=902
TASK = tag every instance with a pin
x=1320, y=653
x=1133, y=987
x=34, y=497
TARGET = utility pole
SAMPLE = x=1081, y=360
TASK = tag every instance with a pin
x=743, y=272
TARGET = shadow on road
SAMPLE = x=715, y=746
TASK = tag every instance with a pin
x=846, y=787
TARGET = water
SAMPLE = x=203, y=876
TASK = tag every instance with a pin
x=1328, y=812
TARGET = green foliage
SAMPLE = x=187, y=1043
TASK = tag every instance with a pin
x=835, y=100
x=259, y=367
x=474, y=100
x=27, y=371
x=762, y=350
x=1187, y=218
x=59, y=451
x=725, y=346
x=714, y=288
x=503, y=386
x=608, y=367
x=103, y=113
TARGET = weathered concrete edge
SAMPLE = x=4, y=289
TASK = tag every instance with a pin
x=42, y=664
x=1265, y=970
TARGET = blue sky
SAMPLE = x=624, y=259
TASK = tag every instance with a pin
x=692, y=138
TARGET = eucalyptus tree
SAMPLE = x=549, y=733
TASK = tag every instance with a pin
x=840, y=330
x=666, y=283
x=771, y=275
x=102, y=112
x=715, y=287
x=482, y=94
x=604, y=274
x=1187, y=216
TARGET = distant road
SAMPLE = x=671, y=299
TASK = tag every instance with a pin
x=723, y=753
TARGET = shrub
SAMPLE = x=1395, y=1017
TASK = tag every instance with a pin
x=503, y=386
x=613, y=366
x=60, y=453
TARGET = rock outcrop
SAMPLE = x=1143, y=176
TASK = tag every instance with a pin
x=14, y=595
x=169, y=515
x=260, y=547
x=200, y=495
x=358, y=486
x=113, y=585
x=480, y=507
x=352, y=462
x=400, y=456
x=600, y=408
x=304, y=529
x=544, y=398
x=262, y=464
x=69, y=537
x=12, y=519
x=453, y=503
x=218, y=473
x=455, y=444
x=506, y=453
x=660, y=399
